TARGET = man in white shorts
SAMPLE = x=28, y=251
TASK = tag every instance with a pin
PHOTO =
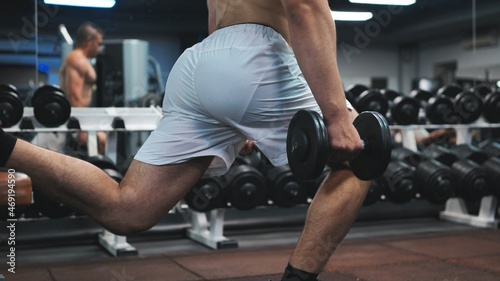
x=241, y=83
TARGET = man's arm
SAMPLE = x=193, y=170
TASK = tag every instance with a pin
x=313, y=37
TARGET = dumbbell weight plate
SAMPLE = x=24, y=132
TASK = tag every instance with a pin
x=405, y=110
x=372, y=100
x=50, y=105
x=450, y=91
x=307, y=145
x=492, y=107
x=208, y=194
x=354, y=91
x=246, y=188
x=374, y=130
x=11, y=107
x=469, y=106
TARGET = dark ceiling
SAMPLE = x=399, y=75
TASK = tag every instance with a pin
x=424, y=21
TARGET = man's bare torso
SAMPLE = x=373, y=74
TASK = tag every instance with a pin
x=230, y=12
x=78, y=69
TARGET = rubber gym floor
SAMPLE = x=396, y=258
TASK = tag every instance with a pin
x=402, y=246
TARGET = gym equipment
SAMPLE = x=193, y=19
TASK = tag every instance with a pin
x=284, y=189
x=49, y=207
x=22, y=195
x=246, y=187
x=471, y=179
x=400, y=182
x=491, y=148
x=470, y=152
x=11, y=106
x=435, y=180
x=481, y=157
x=404, y=110
x=377, y=188
x=308, y=147
x=491, y=99
x=50, y=106
x=492, y=107
x=364, y=99
x=150, y=99
x=208, y=194
x=439, y=109
x=468, y=104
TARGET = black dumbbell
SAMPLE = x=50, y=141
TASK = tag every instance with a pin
x=400, y=182
x=485, y=158
x=491, y=99
x=439, y=109
x=365, y=99
x=472, y=180
x=50, y=106
x=377, y=189
x=11, y=106
x=308, y=147
x=49, y=207
x=404, y=110
x=208, y=194
x=246, y=187
x=468, y=104
x=490, y=147
x=150, y=99
x=435, y=180
x=284, y=189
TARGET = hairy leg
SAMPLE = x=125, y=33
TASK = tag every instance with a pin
x=145, y=195
x=330, y=216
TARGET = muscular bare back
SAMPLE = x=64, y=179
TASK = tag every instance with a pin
x=230, y=12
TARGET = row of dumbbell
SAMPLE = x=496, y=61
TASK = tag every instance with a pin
x=450, y=105
x=251, y=182
x=51, y=108
x=438, y=173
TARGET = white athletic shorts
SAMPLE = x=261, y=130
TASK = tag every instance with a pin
x=242, y=82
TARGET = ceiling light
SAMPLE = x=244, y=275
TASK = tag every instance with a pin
x=385, y=2
x=83, y=3
x=351, y=16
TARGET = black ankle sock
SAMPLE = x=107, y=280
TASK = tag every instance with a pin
x=294, y=274
x=7, y=143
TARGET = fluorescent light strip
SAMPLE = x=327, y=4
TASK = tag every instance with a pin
x=385, y=2
x=83, y=3
x=351, y=16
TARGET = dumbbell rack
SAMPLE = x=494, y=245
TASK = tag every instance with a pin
x=455, y=209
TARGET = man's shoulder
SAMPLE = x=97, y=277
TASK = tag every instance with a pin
x=77, y=60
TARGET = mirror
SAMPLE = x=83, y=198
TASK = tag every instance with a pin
x=18, y=56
